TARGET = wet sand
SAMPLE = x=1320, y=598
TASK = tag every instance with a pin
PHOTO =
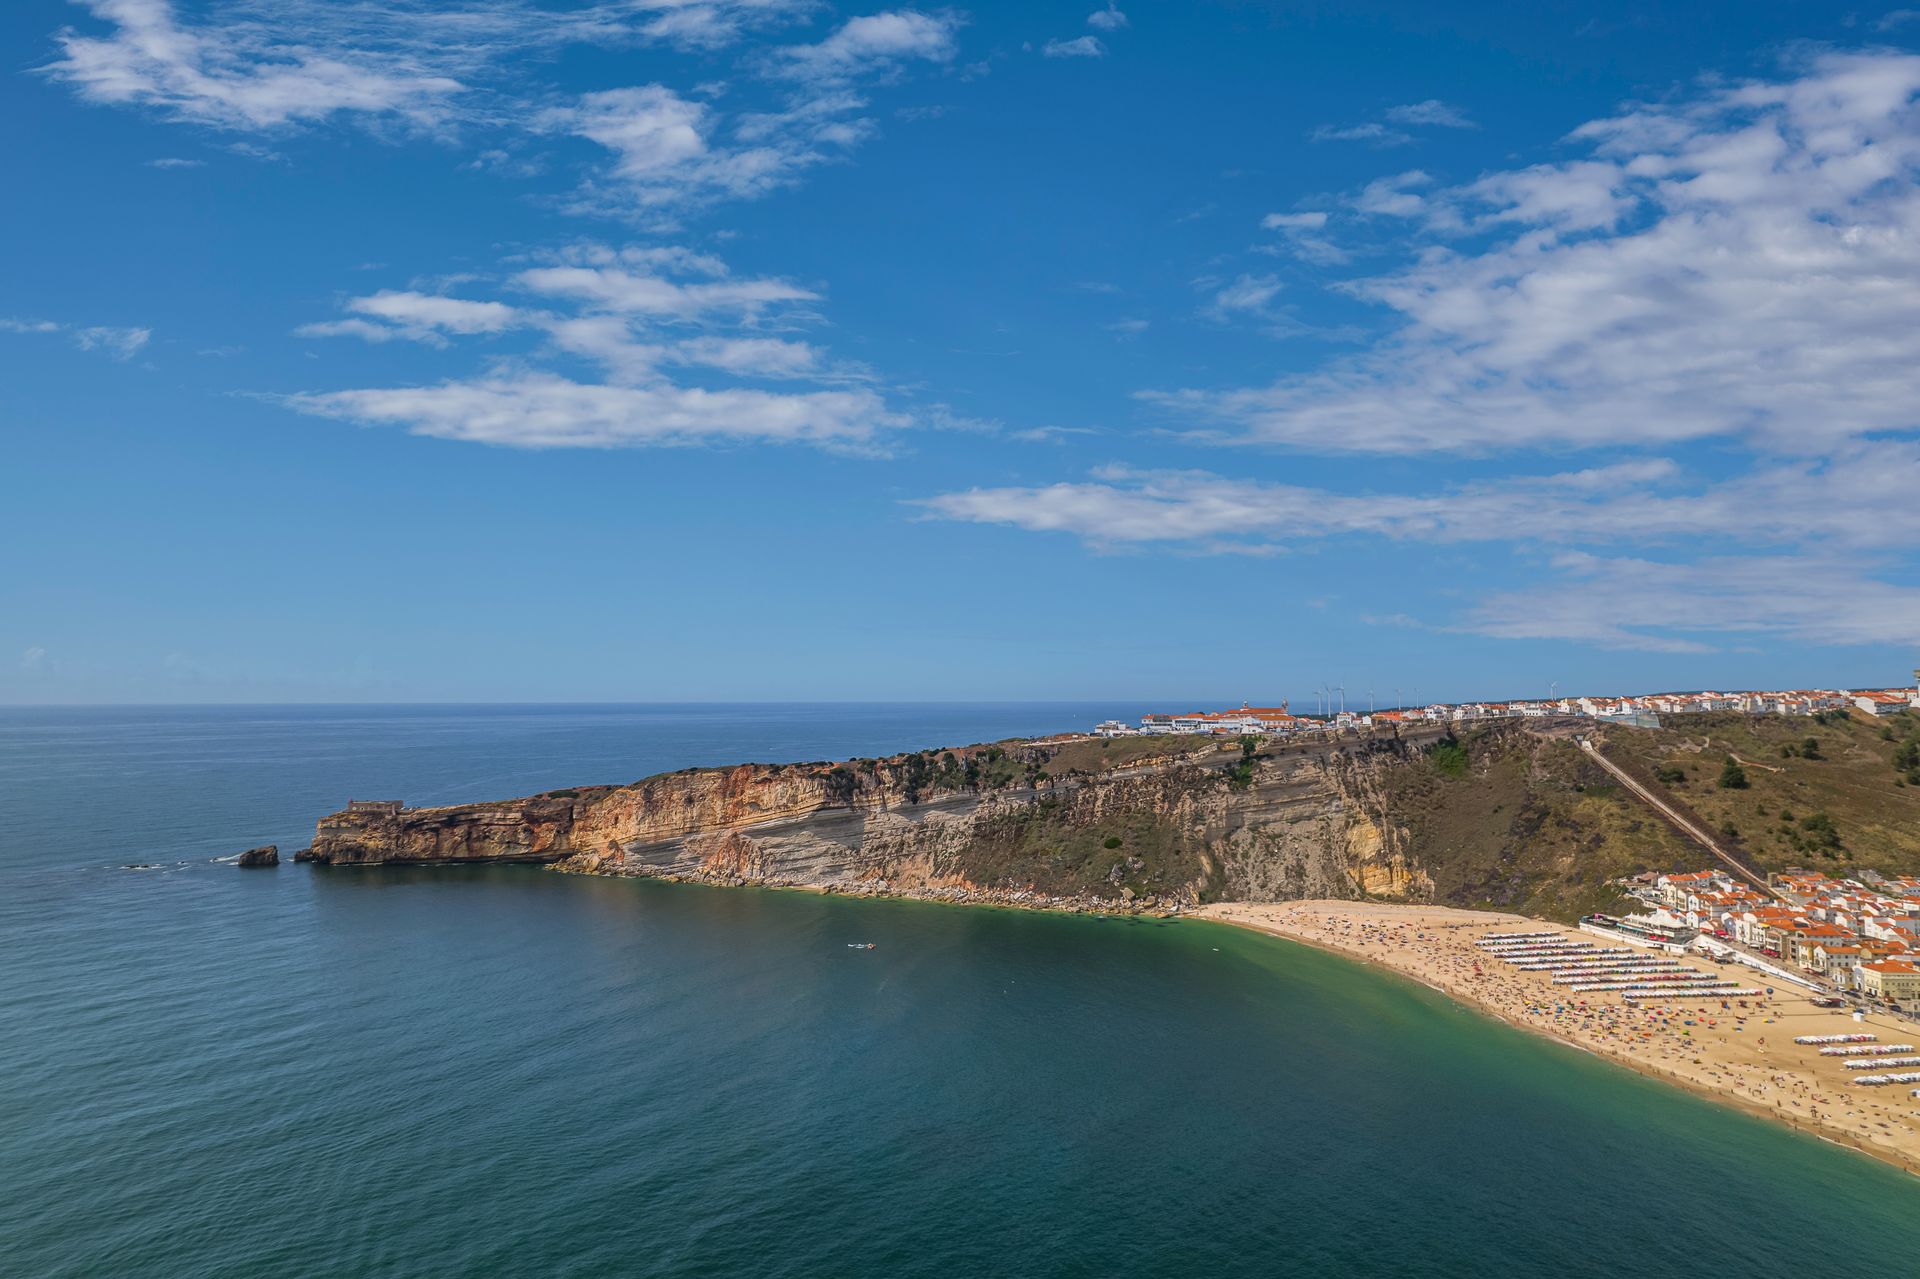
x=1744, y=1056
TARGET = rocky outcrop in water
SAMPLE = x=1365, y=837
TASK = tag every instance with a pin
x=266, y=855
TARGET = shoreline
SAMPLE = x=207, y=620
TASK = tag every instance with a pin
x=1724, y=1063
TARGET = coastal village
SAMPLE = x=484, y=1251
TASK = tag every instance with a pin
x=1856, y=937
x=1643, y=709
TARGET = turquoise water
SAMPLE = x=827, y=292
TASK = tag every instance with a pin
x=498, y=1071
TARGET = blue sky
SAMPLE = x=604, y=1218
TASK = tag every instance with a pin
x=747, y=349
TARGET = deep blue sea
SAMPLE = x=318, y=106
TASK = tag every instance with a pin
x=497, y=1071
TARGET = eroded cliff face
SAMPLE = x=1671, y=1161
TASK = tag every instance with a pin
x=1149, y=824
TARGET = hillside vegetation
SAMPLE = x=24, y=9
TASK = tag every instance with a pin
x=1837, y=793
x=1503, y=819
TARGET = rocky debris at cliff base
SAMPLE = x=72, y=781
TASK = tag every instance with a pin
x=265, y=855
x=304, y=855
x=1019, y=898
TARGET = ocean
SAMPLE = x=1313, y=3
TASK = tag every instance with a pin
x=468, y=1071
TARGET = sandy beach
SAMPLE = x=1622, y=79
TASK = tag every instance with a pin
x=1744, y=1056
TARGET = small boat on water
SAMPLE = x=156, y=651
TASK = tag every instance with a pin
x=860, y=945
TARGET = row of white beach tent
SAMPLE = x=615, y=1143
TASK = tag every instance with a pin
x=1867, y=1050
x=1834, y=1039
x=1875, y=1081
x=1589, y=969
x=1549, y=948
x=1588, y=961
x=1882, y=1063
x=1740, y=992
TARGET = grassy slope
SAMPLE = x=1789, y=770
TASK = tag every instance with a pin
x=1527, y=824
x=1854, y=783
x=1036, y=845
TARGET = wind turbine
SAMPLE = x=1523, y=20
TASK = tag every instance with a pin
x=1343, y=699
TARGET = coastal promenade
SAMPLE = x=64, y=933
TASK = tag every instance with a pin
x=1743, y=1056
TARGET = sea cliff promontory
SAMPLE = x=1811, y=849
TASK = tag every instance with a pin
x=1132, y=823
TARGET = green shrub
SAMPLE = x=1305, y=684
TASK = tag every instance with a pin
x=1449, y=757
x=1819, y=831
x=1111, y=841
x=1732, y=776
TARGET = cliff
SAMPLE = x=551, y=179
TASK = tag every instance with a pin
x=1135, y=823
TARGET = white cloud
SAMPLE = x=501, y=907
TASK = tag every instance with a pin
x=271, y=64
x=410, y=310
x=1687, y=607
x=176, y=162
x=419, y=317
x=626, y=312
x=651, y=129
x=635, y=292
x=34, y=659
x=1394, y=196
x=1243, y=295
x=1432, y=113
x=671, y=150
x=1860, y=500
x=1847, y=521
x=1107, y=19
x=1371, y=131
x=238, y=75
x=121, y=343
x=366, y=330
x=1301, y=236
x=750, y=357
x=1078, y=47
x=1294, y=221
x=543, y=411
x=878, y=42
x=1739, y=265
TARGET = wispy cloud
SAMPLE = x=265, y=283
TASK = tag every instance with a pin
x=251, y=65
x=1108, y=19
x=1433, y=113
x=1243, y=295
x=1391, y=129
x=111, y=340
x=875, y=44
x=1303, y=235
x=1846, y=521
x=1078, y=47
x=1371, y=131
x=1718, y=266
x=535, y=410
x=1857, y=501
x=633, y=316
x=1664, y=606
x=240, y=75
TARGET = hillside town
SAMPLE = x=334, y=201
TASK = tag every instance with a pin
x=1642, y=709
x=1855, y=937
